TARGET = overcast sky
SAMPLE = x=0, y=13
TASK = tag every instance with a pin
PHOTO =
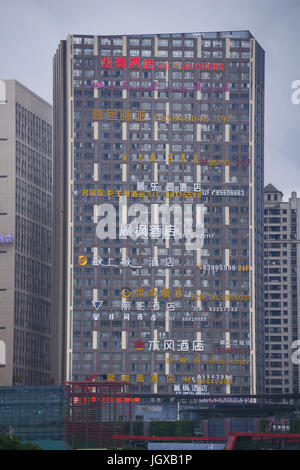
x=31, y=30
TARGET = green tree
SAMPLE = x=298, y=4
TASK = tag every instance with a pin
x=171, y=428
x=14, y=443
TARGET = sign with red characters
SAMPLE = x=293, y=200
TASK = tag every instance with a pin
x=93, y=399
x=148, y=64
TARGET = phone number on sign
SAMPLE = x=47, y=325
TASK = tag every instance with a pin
x=188, y=118
x=191, y=66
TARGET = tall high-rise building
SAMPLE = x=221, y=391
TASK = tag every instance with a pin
x=25, y=235
x=158, y=210
x=282, y=258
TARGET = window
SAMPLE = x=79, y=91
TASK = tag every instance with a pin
x=163, y=42
x=134, y=53
x=105, y=41
x=134, y=42
x=117, y=42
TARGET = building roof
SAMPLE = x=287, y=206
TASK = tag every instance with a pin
x=271, y=189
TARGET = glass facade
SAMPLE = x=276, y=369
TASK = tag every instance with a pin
x=32, y=413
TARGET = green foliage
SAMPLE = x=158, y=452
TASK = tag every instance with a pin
x=137, y=447
x=13, y=443
x=138, y=428
x=263, y=424
x=295, y=425
x=127, y=427
x=172, y=428
x=245, y=443
x=184, y=428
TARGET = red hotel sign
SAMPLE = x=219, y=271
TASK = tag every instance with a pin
x=93, y=399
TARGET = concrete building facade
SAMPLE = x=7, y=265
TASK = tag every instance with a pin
x=168, y=128
x=282, y=258
x=25, y=238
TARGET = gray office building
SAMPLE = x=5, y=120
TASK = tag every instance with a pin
x=25, y=235
x=158, y=210
x=282, y=258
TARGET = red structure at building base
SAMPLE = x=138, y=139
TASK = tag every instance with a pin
x=96, y=411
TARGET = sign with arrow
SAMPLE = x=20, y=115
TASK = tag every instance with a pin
x=97, y=304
